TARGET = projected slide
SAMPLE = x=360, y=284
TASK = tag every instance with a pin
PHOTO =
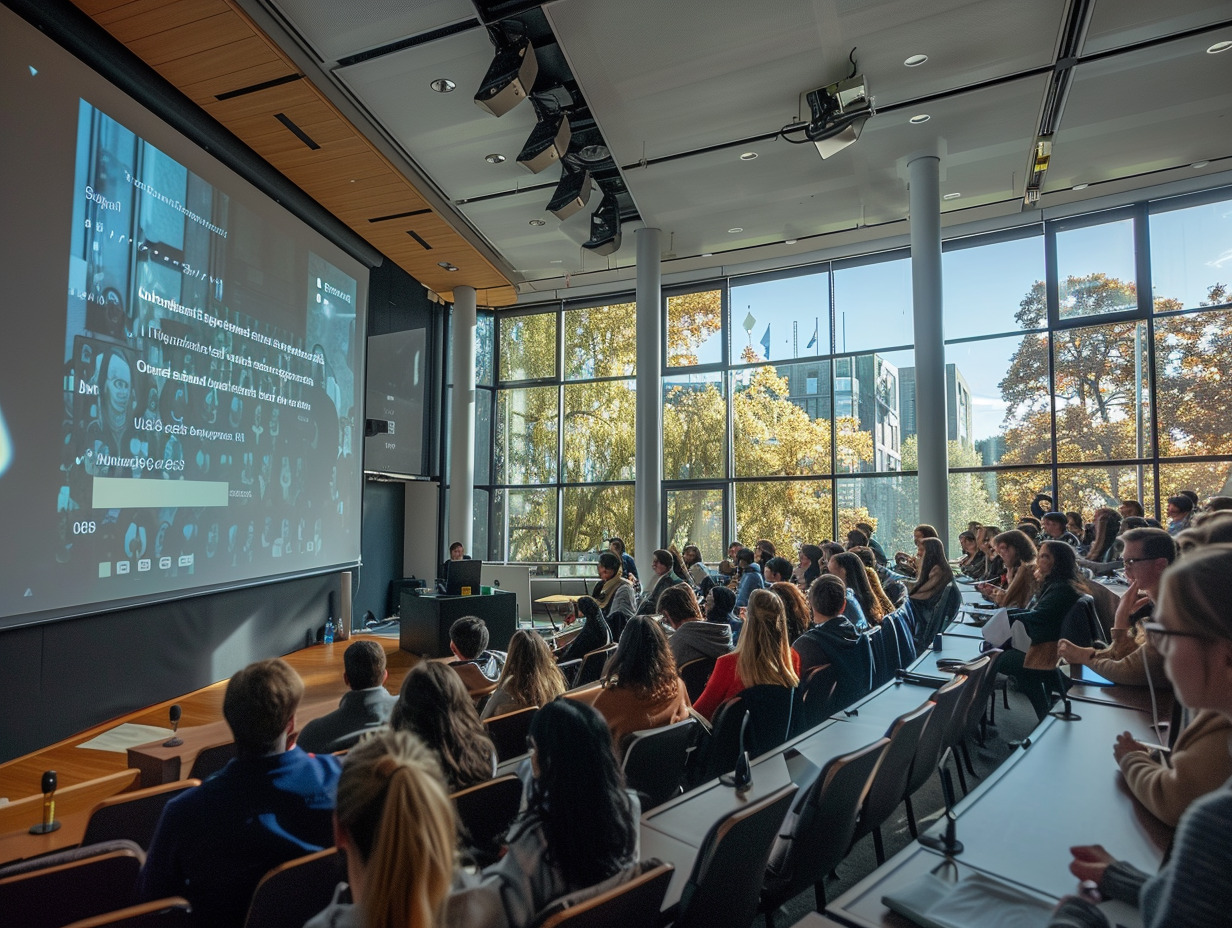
x=208, y=383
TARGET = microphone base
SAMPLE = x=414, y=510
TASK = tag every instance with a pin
x=41, y=829
x=173, y=743
x=1066, y=716
x=949, y=848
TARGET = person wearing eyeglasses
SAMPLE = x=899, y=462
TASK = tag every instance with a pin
x=1193, y=631
x=1148, y=552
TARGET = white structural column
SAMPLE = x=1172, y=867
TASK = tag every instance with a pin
x=648, y=461
x=930, y=408
x=462, y=421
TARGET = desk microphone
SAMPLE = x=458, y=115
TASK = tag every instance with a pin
x=949, y=845
x=49, y=823
x=1067, y=712
x=742, y=777
x=174, y=742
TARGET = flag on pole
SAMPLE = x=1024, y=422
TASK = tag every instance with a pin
x=813, y=340
x=765, y=341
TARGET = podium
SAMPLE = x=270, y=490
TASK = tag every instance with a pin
x=426, y=619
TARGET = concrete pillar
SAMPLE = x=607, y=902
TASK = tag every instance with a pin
x=462, y=421
x=648, y=461
x=930, y=405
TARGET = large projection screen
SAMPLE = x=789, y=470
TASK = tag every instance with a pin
x=181, y=365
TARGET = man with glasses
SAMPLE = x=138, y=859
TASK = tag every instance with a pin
x=1147, y=554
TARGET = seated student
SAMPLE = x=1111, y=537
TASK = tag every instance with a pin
x=910, y=564
x=885, y=585
x=1017, y=553
x=1194, y=633
x=456, y=553
x=639, y=688
x=971, y=564
x=763, y=655
x=832, y=640
x=863, y=608
x=809, y=569
x=468, y=641
x=663, y=565
x=1053, y=526
x=1180, y=509
x=1060, y=586
x=878, y=552
x=595, y=632
x=434, y=706
x=692, y=636
x=628, y=565
x=750, y=576
x=933, y=574
x=692, y=556
x=795, y=607
x=579, y=825
x=395, y=825
x=364, y=708
x=614, y=591
x=994, y=568
x=530, y=677
x=720, y=605
x=270, y=804
x=776, y=570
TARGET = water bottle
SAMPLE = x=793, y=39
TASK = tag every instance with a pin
x=329, y=631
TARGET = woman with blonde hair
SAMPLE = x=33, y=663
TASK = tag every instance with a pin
x=530, y=676
x=763, y=656
x=395, y=823
x=1193, y=631
x=1017, y=552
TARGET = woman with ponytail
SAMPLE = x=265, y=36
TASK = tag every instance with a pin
x=395, y=824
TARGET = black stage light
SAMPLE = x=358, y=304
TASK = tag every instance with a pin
x=605, y=227
x=572, y=191
x=511, y=75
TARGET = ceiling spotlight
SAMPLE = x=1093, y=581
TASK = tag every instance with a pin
x=1219, y=47
x=443, y=85
x=605, y=227
x=919, y=119
x=790, y=241
x=537, y=222
x=447, y=265
x=707, y=254
x=511, y=74
x=494, y=158
x=1199, y=164
x=838, y=113
x=735, y=230
x=951, y=196
x=549, y=140
x=572, y=192
x=1080, y=186
x=915, y=61
x=748, y=156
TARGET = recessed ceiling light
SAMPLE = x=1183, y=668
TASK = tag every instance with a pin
x=1219, y=47
x=707, y=254
x=443, y=85
x=734, y=230
x=915, y=61
x=791, y=241
x=748, y=156
x=556, y=261
x=593, y=153
x=538, y=222
x=951, y=196
x=1199, y=164
x=494, y=158
x=1080, y=186
x=919, y=118
x=452, y=267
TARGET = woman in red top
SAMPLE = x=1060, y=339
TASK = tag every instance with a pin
x=764, y=655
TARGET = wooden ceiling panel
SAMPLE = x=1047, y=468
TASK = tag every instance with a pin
x=210, y=47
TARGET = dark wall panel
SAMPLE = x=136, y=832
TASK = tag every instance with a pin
x=384, y=506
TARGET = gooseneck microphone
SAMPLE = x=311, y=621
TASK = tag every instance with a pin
x=174, y=741
x=948, y=844
x=742, y=777
x=49, y=822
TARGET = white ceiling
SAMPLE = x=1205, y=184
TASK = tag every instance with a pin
x=681, y=89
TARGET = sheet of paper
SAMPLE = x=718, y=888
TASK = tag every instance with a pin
x=123, y=737
x=996, y=631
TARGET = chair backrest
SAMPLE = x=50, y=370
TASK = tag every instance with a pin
x=172, y=912
x=209, y=761
x=695, y=674
x=592, y=665
x=724, y=886
x=885, y=790
x=508, y=731
x=817, y=703
x=902, y=620
x=894, y=651
x=932, y=740
x=974, y=671
x=616, y=623
x=569, y=670
x=132, y=815
x=1081, y=624
x=294, y=891
x=72, y=885
x=983, y=677
x=477, y=685
x=816, y=840
x=882, y=672
x=654, y=761
x=486, y=810
x=635, y=900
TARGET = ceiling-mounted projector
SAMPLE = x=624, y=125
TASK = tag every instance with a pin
x=837, y=114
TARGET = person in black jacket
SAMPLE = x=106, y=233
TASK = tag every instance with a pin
x=595, y=633
x=833, y=640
